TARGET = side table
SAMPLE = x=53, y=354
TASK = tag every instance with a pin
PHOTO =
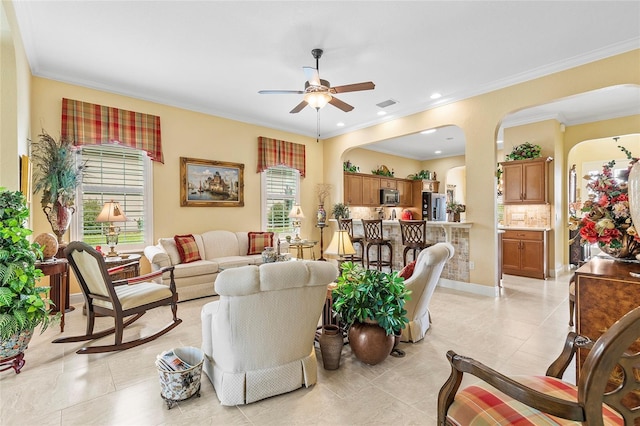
x=133, y=266
x=58, y=271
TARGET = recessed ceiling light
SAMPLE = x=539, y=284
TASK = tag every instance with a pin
x=340, y=124
x=436, y=96
x=438, y=152
x=382, y=113
x=428, y=132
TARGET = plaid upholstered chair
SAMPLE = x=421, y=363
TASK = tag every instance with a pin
x=607, y=392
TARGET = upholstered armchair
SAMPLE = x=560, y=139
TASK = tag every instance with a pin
x=422, y=284
x=258, y=338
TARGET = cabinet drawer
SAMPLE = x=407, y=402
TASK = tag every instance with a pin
x=524, y=235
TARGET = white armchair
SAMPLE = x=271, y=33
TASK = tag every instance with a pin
x=422, y=284
x=258, y=338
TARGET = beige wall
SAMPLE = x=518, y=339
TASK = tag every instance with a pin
x=370, y=160
x=479, y=118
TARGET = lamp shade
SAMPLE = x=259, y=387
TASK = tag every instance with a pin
x=340, y=244
x=111, y=212
x=296, y=212
x=317, y=100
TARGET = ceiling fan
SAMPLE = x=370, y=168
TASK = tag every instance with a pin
x=317, y=92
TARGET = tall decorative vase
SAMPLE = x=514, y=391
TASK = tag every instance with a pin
x=59, y=217
x=331, y=346
x=321, y=215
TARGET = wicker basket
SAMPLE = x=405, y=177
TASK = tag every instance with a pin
x=182, y=384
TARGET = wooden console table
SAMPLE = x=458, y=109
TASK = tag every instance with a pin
x=604, y=293
x=58, y=272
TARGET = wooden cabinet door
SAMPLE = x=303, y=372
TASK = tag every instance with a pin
x=388, y=184
x=352, y=190
x=510, y=255
x=405, y=188
x=512, y=178
x=534, y=184
x=532, y=258
x=370, y=191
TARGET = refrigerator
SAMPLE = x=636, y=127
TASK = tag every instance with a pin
x=434, y=206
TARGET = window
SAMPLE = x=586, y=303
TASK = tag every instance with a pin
x=280, y=191
x=121, y=174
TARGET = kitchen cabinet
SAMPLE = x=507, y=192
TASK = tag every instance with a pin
x=405, y=188
x=388, y=183
x=430, y=185
x=524, y=253
x=370, y=191
x=525, y=181
x=605, y=291
x=352, y=189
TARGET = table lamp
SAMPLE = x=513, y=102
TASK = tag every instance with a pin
x=341, y=245
x=297, y=216
x=112, y=212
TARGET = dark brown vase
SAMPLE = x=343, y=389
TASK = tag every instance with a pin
x=331, y=346
x=370, y=343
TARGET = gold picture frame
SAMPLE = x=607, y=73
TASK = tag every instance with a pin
x=208, y=183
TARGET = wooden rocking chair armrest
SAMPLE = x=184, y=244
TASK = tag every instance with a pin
x=146, y=277
x=571, y=345
x=116, y=269
x=549, y=404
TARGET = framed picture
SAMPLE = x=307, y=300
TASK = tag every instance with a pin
x=207, y=183
x=25, y=176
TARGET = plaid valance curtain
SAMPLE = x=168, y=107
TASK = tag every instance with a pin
x=91, y=124
x=273, y=152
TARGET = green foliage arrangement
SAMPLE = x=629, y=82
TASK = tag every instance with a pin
x=56, y=174
x=21, y=304
x=524, y=151
x=347, y=166
x=340, y=211
x=455, y=207
x=363, y=294
x=421, y=175
x=383, y=171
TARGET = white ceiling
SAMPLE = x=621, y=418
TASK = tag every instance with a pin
x=214, y=56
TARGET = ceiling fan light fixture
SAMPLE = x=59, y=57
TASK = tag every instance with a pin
x=317, y=100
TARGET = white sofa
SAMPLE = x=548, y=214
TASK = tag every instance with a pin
x=218, y=250
x=258, y=337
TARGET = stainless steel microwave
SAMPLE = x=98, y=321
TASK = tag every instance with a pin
x=389, y=197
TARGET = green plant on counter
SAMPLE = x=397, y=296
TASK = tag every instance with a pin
x=340, y=211
x=421, y=175
x=524, y=151
x=362, y=294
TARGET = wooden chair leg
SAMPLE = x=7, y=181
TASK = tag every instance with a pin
x=572, y=304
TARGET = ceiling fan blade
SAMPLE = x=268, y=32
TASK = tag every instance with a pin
x=353, y=87
x=298, y=107
x=312, y=76
x=281, y=92
x=339, y=104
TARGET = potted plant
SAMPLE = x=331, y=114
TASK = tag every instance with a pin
x=454, y=208
x=524, y=151
x=22, y=308
x=340, y=211
x=57, y=176
x=371, y=304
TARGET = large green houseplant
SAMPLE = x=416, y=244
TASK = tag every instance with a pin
x=57, y=176
x=22, y=307
x=372, y=302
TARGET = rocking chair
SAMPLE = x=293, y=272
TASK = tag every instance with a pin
x=120, y=299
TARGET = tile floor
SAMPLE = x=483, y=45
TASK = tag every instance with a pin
x=518, y=333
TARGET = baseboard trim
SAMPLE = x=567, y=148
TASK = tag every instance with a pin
x=479, y=289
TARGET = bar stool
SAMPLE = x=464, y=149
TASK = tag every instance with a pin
x=414, y=237
x=374, y=237
x=347, y=225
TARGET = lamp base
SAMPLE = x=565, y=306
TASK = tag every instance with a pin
x=112, y=252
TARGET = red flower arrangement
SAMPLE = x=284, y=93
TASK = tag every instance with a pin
x=606, y=216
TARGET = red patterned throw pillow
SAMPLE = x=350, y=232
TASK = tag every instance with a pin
x=187, y=248
x=258, y=241
x=407, y=271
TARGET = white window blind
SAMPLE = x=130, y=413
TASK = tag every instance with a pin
x=121, y=174
x=280, y=192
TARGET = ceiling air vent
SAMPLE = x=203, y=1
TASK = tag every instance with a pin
x=387, y=103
